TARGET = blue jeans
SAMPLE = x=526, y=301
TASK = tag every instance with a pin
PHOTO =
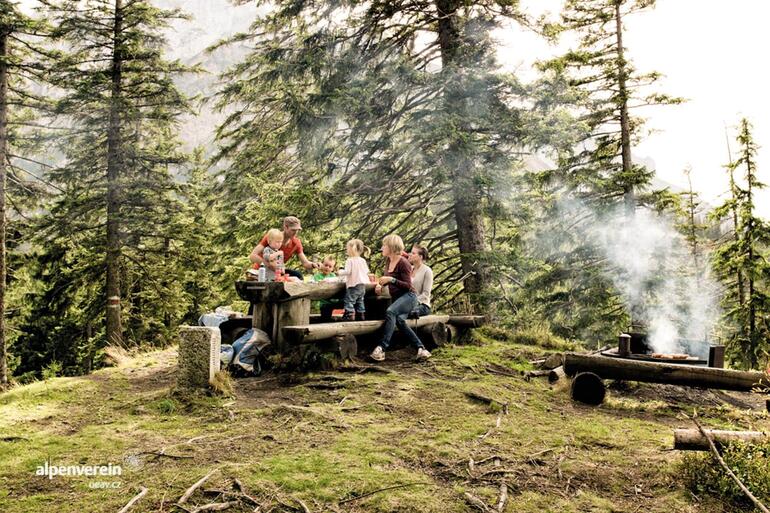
x=395, y=315
x=354, y=298
x=421, y=311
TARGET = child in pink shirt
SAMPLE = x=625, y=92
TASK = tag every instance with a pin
x=356, y=274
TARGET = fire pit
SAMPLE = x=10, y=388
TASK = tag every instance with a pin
x=635, y=346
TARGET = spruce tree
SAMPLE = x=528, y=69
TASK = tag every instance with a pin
x=742, y=262
x=113, y=223
x=597, y=179
x=23, y=72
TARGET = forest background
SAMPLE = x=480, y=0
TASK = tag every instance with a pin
x=141, y=163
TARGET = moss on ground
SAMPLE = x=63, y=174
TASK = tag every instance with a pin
x=332, y=440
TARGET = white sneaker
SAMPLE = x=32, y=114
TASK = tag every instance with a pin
x=423, y=354
x=378, y=354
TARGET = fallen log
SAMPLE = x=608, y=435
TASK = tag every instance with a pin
x=467, y=321
x=672, y=374
x=588, y=388
x=555, y=375
x=693, y=439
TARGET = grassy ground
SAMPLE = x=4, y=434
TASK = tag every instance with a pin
x=326, y=441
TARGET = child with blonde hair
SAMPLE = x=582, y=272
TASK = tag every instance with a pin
x=356, y=274
x=272, y=255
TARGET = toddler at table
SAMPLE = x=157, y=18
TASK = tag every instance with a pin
x=356, y=274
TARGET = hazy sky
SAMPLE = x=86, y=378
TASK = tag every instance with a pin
x=711, y=52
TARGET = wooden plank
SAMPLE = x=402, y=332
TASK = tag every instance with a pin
x=262, y=318
x=303, y=334
x=280, y=291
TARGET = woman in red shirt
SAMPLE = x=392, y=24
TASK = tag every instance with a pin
x=398, y=278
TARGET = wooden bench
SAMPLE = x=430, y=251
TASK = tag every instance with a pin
x=434, y=327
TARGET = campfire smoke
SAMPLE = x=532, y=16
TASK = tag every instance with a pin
x=667, y=288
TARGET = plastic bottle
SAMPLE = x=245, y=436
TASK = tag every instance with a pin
x=262, y=272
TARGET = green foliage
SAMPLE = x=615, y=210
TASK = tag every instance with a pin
x=355, y=124
x=52, y=370
x=67, y=322
x=542, y=337
x=741, y=262
x=702, y=474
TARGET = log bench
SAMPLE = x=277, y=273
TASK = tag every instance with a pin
x=433, y=327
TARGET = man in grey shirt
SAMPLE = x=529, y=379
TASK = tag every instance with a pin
x=422, y=280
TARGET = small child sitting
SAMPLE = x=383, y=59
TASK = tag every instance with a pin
x=356, y=274
x=273, y=255
x=326, y=273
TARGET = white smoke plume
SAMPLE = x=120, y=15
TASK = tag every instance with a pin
x=667, y=289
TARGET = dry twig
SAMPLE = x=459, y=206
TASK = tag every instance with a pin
x=503, y=497
x=477, y=503
x=405, y=485
x=195, y=486
x=142, y=493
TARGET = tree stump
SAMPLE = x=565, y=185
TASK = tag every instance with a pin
x=199, y=354
x=588, y=388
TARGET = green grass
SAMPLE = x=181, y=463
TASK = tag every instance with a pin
x=286, y=441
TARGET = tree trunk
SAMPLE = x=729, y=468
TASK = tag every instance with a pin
x=467, y=195
x=734, y=209
x=749, y=233
x=3, y=157
x=669, y=373
x=114, y=160
x=629, y=197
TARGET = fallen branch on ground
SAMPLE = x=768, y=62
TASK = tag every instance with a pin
x=217, y=506
x=477, y=503
x=195, y=486
x=488, y=400
x=536, y=374
x=161, y=453
x=142, y=493
x=730, y=473
x=405, y=485
x=503, y=497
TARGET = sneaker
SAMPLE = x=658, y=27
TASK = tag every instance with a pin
x=347, y=316
x=423, y=354
x=378, y=354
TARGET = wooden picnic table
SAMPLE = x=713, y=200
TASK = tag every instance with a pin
x=282, y=310
x=278, y=304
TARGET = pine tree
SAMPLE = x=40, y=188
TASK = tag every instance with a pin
x=744, y=256
x=113, y=223
x=597, y=178
x=603, y=172
x=22, y=73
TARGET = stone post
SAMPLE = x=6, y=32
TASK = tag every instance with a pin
x=199, y=348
